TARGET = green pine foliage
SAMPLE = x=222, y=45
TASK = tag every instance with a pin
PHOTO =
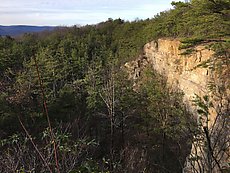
x=79, y=68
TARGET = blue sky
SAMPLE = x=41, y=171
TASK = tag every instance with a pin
x=71, y=12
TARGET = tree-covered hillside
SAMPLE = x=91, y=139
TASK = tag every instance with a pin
x=66, y=105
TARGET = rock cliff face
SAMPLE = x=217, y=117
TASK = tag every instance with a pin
x=182, y=73
x=180, y=70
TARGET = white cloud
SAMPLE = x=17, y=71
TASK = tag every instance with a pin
x=69, y=12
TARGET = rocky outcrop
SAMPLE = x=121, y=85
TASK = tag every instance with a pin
x=180, y=70
x=183, y=72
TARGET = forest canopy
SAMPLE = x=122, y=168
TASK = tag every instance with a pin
x=99, y=123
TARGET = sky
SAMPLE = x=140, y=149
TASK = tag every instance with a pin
x=76, y=12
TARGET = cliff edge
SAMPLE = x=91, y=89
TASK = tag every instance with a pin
x=184, y=72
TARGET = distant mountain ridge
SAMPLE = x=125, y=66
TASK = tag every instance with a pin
x=15, y=30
